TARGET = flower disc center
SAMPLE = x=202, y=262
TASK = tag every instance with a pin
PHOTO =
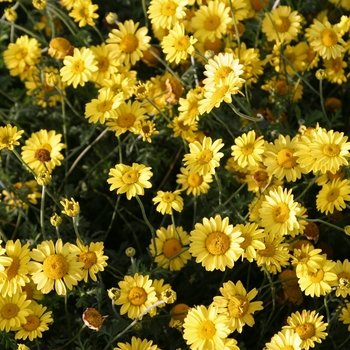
x=329, y=37
x=205, y=157
x=88, y=258
x=332, y=195
x=137, y=296
x=130, y=177
x=206, y=329
x=282, y=24
x=32, y=324
x=331, y=150
x=217, y=243
x=55, y=266
x=286, y=159
x=195, y=180
x=171, y=247
x=12, y=270
x=212, y=23
x=305, y=331
x=9, y=311
x=269, y=250
x=238, y=306
x=281, y=213
x=129, y=43
x=126, y=120
x=169, y=9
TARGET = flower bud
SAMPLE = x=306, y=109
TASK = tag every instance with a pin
x=130, y=252
x=55, y=220
x=113, y=293
x=10, y=14
x=70, y=207
x=59, y=48
x=111, y=18
x=321, y=74
x=43, y=179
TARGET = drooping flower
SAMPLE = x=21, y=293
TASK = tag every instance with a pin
x=9, y=136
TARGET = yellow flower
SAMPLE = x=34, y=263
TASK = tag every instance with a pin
x=17, y=272
x=131, y=180
x=21, y=54
x=42, y=151
x=55, y=267
x=169, y=243
x=176, y=45
x=136, y=295
x=281, y=24
x=137, y=344
x=205, y=329
x=13, y=311
x=37, y=322
x=248, y=149
x=210, y=21
x=286, y=339
x=215, y=243
x=325, y=39
x=92, y=257
x=59, y=48
x=344, y=315
x=10, y=14
x=9, y=136
x=309, y=326
x=39, y=4
x=166, y=13
x=237, y=305
x=70, y=207
x=83, y=12
x=168, y=201
x=78, y=69
x=147, y=128
x=204, y=157
x=185, y=130
x=333, y=196
x=342, y=270
x=128, y=42
x=194, y=184
x=334, y=70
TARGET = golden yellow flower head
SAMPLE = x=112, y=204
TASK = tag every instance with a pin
x=70, y=207
x=39, y=4
x=9, y=136
x=10, y=14
x=55, y=220
x=43, y=178
x=59, y=48
x=113, y=293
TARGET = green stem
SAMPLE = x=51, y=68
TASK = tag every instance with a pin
x=159, y=110
x=120, y=150
x=37, y=343
x=222, y=123
x=144, y=8
x=175, y=229
x=64, y=128
x=235, y=193
x=98, y=33
x=23, y=162
x=75, y=337
x=112, y=218
x=58, y=232
x=253, y=119
x=219, y=186
x=76, y=230
x=167, y=261
x=42, y=212
x=322, y=222
x=67, y=314
x=307, y=188
x=322, y=103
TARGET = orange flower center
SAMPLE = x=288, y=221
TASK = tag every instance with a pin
x=126, y=120
x=261, y=177
x=246, y=242
x=212, y=23
x=332, y=195
x=238, y=306
x=285, y=158
x=9, y=310
x=195, y=180
x=329, y=37
x=171, y=247
x=55, y=266
x=137, y=296
x=344, y=275
x=269, y=250
x=93, y=319
x=336, y=64
x=12, y=270
x=104, y=106
x=281, y=87
x=247, y=149
x=42, y=155
x=282, y=24
x=331, y=150
x=206, y=329
x=130, y=177
x=213, y=45
x=317, y=276
x=205, y=157
x=169, y=9
x=168, y=197
x=257, y=4
x=305, y=331
x=32, y=324
x=88, y=258
x=102, y=64
x=281, y=213
x=129, y=43
x=26, y=288
x=217, y=243
x=182, y=43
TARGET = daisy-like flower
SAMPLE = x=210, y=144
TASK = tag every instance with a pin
x=210, y=21
x=333, y=196
x=237, y=305
x=147, y=128
x=253, y=240
x=319, y=282
x=42, y=151
x=344, y=315
x=17, y=272
x=309, y=326
x=248, y=149
x=204, y=157
x=322, y=150
x=281, y=24
x=181, y=129
x=214, y=95
x=20, y=55
x=37, y=322
x=216, y=244
x=166, y=13
x=325, y=39
x=13, y=311
x=334, y=69
x=55, y=267
x=9, y=136
x=342, y=270
x=178, y=314
x=281, y=160
x=188, y=107
x=220, y=67
x=92, y=256
x=104, y=107
x=127, y=43
x=205, y=329
x=121, y=82
x=194, y=184
x=275, y=255
x=176, y=45
x=83, y=12
x=70, y=207
x=106, y=65
x=31, y=290
x=137, y=344
x=169, y=243
x=78, y=69
x=286, y=339
x=278, y=212
x=127, y=117
x=136, y=295
x=131, y=180
x=168, y=201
